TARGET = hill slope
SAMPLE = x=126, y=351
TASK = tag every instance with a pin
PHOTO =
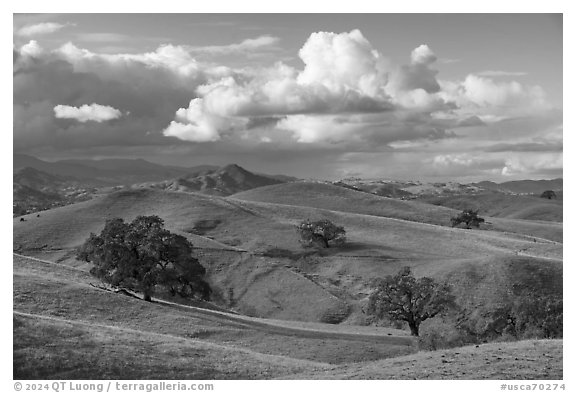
x=57, y=314
x=326, y=196
x=522, y=360
x=523, y=186
x=257, y=266
x=227, y=180
x=496, y=204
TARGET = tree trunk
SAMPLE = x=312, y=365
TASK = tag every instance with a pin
x=414, y=327
x=322, y=240
x=147, y=296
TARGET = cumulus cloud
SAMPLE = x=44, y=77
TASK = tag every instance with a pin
x=488, y=99
x=40, y=29
x=345, y=97
x=342, y=73
x=544, y=163
x=92, y=112
x=31, y=49
x=423, y=55
x=193, y=124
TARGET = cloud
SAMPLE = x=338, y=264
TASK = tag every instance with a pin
x=556, y=146
x=544, y=163
x=102, y=37
x=31, y=49
x=500, y=73
x=343, y=81
x=264, y=42
x=40, y=29
x=92, y=112
x=423, y=55
x=346, y=97
x=493, y=101
x=195, y=125
x=342, y=74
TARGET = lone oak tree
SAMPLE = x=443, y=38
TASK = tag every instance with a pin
x=468, y=217
x=405, y=298
x=141, y=255
x=548, y=194
x=322, y=232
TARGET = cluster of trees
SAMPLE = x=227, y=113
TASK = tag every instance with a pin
x=142, y=255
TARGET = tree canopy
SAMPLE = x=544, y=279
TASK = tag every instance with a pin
x=468, y=217
x=548, y=194
x=141, y=255
x=322, y=233
x=404, y=298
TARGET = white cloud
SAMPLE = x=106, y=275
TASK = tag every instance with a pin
x=250, y=44
x=445, y=160
x=92, y=112
x=423, y=55
x=32, y=49
x=102, y=37
x=40, y=28
x=311, y=129
x=495, y=73
x=194, y=124
x=493, y=101
x=533, y=163
x=342, y=63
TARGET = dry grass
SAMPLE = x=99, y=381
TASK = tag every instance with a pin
x=52, y=348
x=495, y=204
x=530, y=359
x=53, y=291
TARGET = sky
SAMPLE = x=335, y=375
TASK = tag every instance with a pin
x=433, y=97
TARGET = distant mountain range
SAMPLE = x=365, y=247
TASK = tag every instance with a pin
x=108, y=172
x=40, y=185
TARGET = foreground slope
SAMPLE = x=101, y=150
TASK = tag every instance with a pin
x=88, y=333
x=59, y=314
x=523, y=360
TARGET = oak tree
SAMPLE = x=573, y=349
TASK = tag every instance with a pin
x=141, y=255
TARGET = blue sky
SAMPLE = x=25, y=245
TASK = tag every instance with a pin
x=409, y=96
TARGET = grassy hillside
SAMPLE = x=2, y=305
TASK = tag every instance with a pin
x=258, y=268
x=256, y=264
x=496, y=204
x=90, y=333
x=60, y=315
x=330, y=197
x=524, y=360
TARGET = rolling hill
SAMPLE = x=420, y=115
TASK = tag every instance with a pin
x=60, y=316
x=227, y=180
x=523, y=186
x=497, y=204
x=331, y=197
x=258, y=269
x=252, y=250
